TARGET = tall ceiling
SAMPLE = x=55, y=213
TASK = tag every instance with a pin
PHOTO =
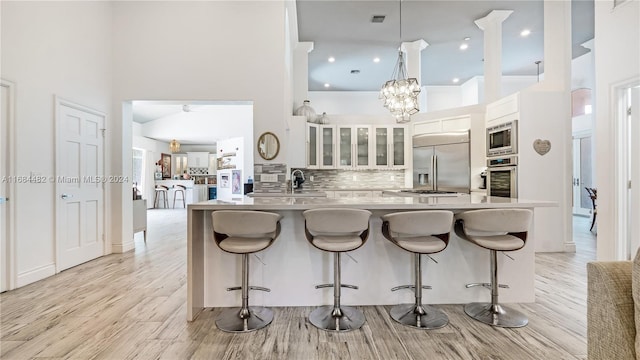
x=344, y=30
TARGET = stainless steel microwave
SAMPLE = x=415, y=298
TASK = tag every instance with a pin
x=502, y=139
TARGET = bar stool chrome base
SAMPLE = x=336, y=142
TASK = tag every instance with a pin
x=423, y=317
x=496, y=315
x=345, y=318
x=257, y=317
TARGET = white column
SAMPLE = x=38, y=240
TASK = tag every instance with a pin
x=492, y=27
x=301, y=73
x=413, y=62
x=557, y=45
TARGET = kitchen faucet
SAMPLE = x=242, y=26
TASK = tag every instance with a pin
x=296, y=181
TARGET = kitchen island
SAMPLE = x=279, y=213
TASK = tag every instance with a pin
x=291, y=267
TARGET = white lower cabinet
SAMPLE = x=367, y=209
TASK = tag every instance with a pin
x=343, y=194
x=200, y=193
x=354, y=194
x=362, y=194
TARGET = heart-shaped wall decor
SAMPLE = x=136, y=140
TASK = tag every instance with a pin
x=542, y=146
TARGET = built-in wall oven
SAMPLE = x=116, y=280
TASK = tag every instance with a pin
x=502, y=139
x=502, y=177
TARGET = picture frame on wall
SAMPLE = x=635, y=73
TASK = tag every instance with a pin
x=165, y=161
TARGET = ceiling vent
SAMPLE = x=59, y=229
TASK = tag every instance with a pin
x=377, y=18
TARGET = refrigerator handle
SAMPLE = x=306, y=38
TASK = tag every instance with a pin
x=434, y=170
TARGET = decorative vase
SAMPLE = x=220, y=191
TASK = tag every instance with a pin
x=307, y=111
x=324, y=119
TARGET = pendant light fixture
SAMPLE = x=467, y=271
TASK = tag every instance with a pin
x=174, y=146
x=400, y=94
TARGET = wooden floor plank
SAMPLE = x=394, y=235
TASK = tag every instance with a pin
x=133, y=306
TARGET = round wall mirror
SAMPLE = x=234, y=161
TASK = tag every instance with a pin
x=268, y=146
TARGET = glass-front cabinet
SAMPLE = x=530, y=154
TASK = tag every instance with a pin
x=390, y=146
x=312, y=146
x=357, y=146
x=328, y=146
x=353, y=147
x=321, y=147
x=345, y=147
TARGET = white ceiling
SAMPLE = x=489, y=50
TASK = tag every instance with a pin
x=343, y=29
x=205, y=123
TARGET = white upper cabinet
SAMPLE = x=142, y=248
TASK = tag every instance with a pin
x=179, y=163
x=321, y=146
x=354, y=147
x=198, y=159
x=357, y=146
x=390, y=147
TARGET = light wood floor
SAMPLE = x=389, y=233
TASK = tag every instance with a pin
x=133, y=305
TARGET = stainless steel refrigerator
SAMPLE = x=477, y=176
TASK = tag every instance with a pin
x=442, y=162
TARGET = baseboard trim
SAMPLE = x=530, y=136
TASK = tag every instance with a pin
x=570, y=247
x=36, y=274
x=122, y=248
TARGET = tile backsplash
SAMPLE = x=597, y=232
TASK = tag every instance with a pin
x=326, y=179
x=279, y=171
x=353, y=180
x=198, y=170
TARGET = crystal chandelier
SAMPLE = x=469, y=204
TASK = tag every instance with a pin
x=174, y=146
x=400, y=94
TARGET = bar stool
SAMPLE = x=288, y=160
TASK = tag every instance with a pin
x=419, y=232
x=495, y=230
x=337, y=230
x=161, y=190
x=179, y=189
x=244, y=233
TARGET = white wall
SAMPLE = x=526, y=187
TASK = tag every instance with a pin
x=50, y=48
x=617, y=55
x=442, y=97
x=437, y=97
x=199, y=51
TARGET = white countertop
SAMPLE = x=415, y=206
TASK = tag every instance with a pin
x=472, y=201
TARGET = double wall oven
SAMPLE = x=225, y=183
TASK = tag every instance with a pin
x=502, y=176
x=502, y=162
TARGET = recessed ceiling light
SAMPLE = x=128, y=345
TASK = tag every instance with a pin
x=456, y=80
x=376, y=60
x=525, y=32
x=467, y=38
x=464, y=46
x=326, y=85
x=332, y=59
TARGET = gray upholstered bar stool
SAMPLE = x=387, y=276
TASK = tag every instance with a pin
x=495, y=230
x=244, y=233
x=337, y=230
x=419, y=232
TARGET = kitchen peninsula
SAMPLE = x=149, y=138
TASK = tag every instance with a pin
x=292, y=267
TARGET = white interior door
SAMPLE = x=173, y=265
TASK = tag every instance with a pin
x=582, y=175
x=80, y=185
x=4, y=188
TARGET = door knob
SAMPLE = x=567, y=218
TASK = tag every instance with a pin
x=65, y=196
